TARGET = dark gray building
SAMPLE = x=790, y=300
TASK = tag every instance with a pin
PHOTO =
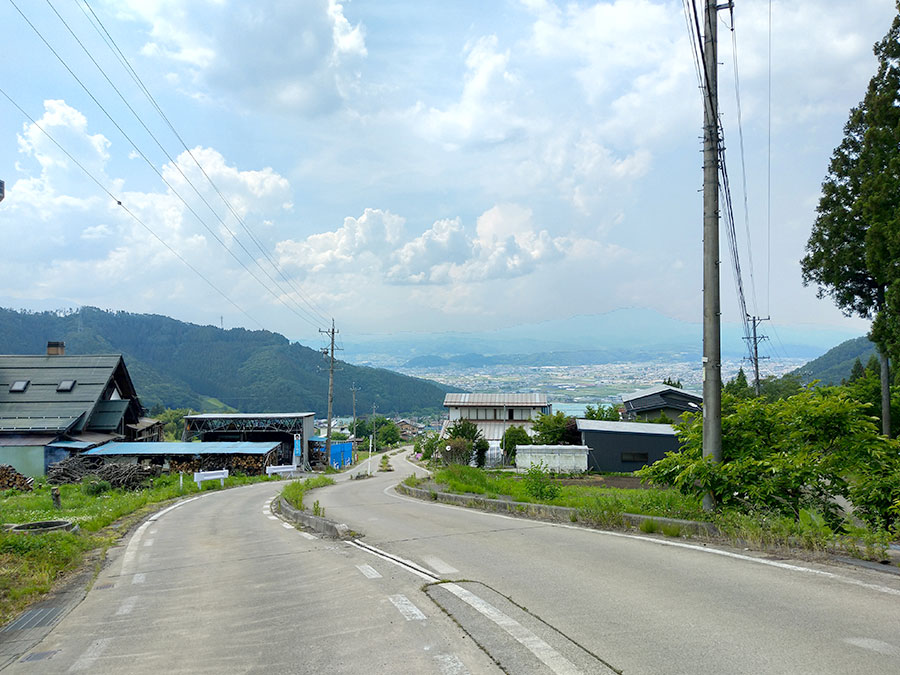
x=648, y=404
x=53, y=405
x=625, y=446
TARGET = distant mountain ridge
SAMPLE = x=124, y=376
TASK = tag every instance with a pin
x=178, y=364
x=835, y=364
x=632, y=334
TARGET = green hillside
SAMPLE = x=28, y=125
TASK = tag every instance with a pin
x=835, y=364
x=181, y=365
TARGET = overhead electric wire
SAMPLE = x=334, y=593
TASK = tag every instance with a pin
x=160, y=175
x=727, y=212
x=179, y=169
x=123, y=60
x=129, y=211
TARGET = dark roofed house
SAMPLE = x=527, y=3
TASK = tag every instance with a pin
x=52, y=405
x=649, y=404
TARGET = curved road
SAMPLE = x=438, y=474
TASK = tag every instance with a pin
x=218, y=584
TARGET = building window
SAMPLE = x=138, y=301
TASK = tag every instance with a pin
x=19, y=386
x=66, y=385
x=635, y=457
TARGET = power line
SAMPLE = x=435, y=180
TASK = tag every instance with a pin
x=127, y=210
x=123, y=60
x=158, y=173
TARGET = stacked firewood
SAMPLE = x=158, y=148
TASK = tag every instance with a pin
x=10, y=479
x=76, y=469
x=73, y=469
x=184, y=465
x=251, y=465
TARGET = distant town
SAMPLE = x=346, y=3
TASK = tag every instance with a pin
x=580, y=385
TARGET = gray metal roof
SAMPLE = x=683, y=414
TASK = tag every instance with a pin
x=173, y=448
x=659, y=389
x=41, y=407
x=509, y=400
x=625, y=427
x=247, y=416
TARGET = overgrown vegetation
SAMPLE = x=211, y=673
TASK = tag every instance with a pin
x=593, y=503
x=293, y=492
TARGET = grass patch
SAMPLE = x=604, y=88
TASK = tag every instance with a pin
x=594, y=504
x=31, y=564
x=293, y=492
x=649, y=526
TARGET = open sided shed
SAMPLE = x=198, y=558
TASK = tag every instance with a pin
x=625, y=446
x=292, y=431
x=246, y=457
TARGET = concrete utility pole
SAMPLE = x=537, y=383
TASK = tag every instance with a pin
x=353, y=390
x=331, y=333
x=712, y=338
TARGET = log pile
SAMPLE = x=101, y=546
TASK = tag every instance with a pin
x=76, y=469
x=10, y=479
x=73, y=469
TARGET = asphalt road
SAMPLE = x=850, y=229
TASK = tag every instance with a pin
x=219, y=584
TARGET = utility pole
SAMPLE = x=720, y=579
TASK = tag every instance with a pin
x=754, y=350
x=371, y=444
x=353, y=390
x=330, y=355
x=712, y=337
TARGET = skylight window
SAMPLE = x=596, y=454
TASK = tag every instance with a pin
x=66, y=385
x=19, y=386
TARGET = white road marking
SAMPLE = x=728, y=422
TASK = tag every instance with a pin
x=287, y=526
x=664, y=542
x=875, y=646
x=409, y=611
x=307, y=535
x=153, y=531
x=439, y=565
x=558, y=663
x=139, y=578
x=450, y=664
x=90, y=655
x=368, y=571
x=132, y=548
x=135, y=541
x=266, y=512
x=149, y=542
x=272, y=517
x=127, y=606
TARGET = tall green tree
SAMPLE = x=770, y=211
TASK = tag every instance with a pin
x=853, y=252
x=555, y=429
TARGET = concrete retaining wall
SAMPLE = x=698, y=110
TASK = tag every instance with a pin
x=316, y=523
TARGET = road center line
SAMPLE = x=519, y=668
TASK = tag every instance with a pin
x=439, y=565
x=127, y=605
x=404, y=605
x=368, y=571
x=91, y=654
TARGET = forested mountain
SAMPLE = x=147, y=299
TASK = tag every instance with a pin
x=177, y=364
x=835, y=364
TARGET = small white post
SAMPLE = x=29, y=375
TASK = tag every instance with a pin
x=180, y=482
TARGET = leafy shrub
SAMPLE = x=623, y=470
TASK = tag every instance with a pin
x=481, y=448
x=539, y=485
x=786, y=456
x=456, y=451
x=93, y=486
x=649, y=526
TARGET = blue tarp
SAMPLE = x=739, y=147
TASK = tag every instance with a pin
x=341, y=455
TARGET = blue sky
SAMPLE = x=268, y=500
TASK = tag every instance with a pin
x=416, y=166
